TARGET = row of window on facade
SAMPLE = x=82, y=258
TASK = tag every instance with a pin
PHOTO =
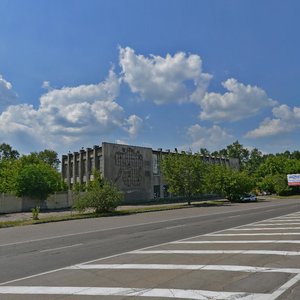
x=88, y=166
x=85, y=166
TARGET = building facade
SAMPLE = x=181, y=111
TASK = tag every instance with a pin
x=134, y=170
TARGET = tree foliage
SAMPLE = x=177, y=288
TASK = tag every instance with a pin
x=228, y=182
x=235, y=150
x=101, y=195
x=272, y=173
x=37, y=181
x=8, y=153
x=8, y=172
x=49, y=157
x=34, y=175
x=184, y=174
x=267, y=170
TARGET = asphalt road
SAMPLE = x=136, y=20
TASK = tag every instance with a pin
x=31, y=250
x=34, y=249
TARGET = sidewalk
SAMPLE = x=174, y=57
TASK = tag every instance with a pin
x=20, y=216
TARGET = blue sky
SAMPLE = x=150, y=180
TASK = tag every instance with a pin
x=185, y=74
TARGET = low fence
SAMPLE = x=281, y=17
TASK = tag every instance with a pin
x=12, y=204
x=64, y=200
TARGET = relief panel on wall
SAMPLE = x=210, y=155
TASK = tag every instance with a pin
x=130, y=164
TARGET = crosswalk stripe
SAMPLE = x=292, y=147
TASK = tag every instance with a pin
x=231, y=268
x=265, y=228
x=240, y=242
x=259, y=252
x=275, y=224
x=253, y=234
x=140, y=292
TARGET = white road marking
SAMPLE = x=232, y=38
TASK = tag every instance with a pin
x=60, y=248
x=172, y=227
x=130, y=292
x=240, y=242
x=258, y=252
x=266, y=228
x=285, y=287
x=287, y=218
x=252, y=234
x=205, y=295
x=275, y=224
x=230, y=268
x=235, y=216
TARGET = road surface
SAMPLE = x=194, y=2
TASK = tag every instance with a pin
x=248, y=250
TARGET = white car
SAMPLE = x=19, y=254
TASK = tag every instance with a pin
x=249, y=198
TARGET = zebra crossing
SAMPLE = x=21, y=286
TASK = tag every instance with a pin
x=254, y=261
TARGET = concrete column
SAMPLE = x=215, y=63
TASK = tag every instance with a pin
x=74, y=167
x=87, y=165
x=80, y=166
x=95, y=158
x=69, y=170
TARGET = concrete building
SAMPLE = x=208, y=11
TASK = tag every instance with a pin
x=135, y=170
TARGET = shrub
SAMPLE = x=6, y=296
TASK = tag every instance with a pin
x=101, y=195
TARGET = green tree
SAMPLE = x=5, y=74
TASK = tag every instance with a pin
x=220, y=153
x=296, y=155
x=8, y=173
x=271, y=166
x=101, y=195
x=184, y=174
x=204, y=152
x=272, y=173
x=236, y=150
x=229, y=183
x=37, y=181
x=50, y=157
x=267, y=184
x=256, y=158
x=8, y=153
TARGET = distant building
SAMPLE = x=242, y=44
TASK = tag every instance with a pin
x=135, y=170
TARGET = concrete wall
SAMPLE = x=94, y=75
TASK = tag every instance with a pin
x=130, y=168
x=11, y=204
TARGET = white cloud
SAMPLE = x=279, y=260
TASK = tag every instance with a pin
x=71, y=114
x=135, y=124
x=7, y=95
x=285, y=120
x=177, y=78
x=241, y=101
x=211, y=138
x=46, y=85
x=108, y=90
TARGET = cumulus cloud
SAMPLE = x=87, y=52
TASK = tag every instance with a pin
x=108, y=90
x=7, y=94
x=177, y=78
x=204, y=137
x=241, y=101
x=180, y=79
x=285, y=120
x=135, y=125
x=70, y=114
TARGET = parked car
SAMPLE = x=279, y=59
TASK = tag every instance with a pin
x=265, y=193
x=249, y=198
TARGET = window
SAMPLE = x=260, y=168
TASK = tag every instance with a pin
x=155, y=161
